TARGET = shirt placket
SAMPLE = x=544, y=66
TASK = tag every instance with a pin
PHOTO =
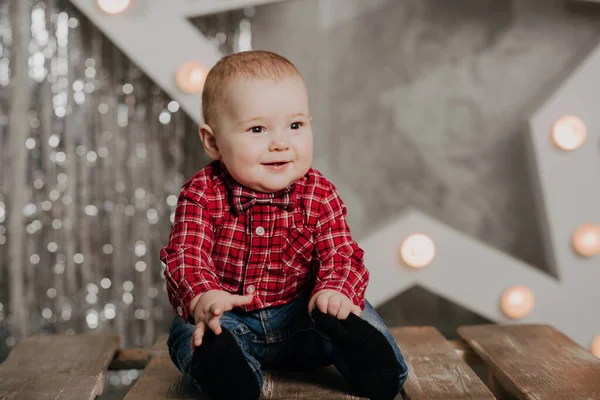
x=259, y=231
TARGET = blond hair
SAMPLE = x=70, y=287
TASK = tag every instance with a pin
x=257, y=64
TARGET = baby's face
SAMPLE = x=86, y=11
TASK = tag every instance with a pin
x=264, y=133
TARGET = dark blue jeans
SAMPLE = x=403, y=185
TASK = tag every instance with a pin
x=281, y=337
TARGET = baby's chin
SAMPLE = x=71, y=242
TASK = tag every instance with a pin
x=270, y=188
x=270, y=185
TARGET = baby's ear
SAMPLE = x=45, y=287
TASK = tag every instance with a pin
x=209, y=141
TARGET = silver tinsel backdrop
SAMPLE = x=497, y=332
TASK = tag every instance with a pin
x=91, y=163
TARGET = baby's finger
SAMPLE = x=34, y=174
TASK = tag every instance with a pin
x=356, y=310
x=215, y=325
x=237, y=301
x=322, y=302
x=216, y=308
x=198, y=334
x=333, y=307
x=344, y=311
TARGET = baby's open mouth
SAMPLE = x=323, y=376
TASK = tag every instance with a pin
x=277, y=163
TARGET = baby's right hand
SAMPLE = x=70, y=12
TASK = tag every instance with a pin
x=210, y=308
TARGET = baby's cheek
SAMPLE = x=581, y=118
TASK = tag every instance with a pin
x=250, y=152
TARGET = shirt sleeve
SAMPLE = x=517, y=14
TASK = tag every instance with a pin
x=340, y=258
x=189, y=269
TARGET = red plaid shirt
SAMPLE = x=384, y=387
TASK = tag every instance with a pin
x=273, y=245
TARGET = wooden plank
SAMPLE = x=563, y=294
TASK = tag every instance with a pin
x=436, y=371
x=161, y=380
x=323, y=383
x=57, y=367
x=535, y=361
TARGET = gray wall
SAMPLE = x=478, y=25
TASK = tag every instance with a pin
x=421, y=103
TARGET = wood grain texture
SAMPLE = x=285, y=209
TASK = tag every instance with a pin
x=323, y=383
x=535, y=362
x=436, y=371
x=161, y=380
x=57, y=367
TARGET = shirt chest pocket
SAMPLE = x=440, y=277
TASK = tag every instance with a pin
x=298, y=246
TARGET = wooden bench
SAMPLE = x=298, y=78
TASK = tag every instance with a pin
x=524, y=362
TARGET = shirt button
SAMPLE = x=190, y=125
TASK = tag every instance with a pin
x=250, y=289
x=179, y=310
x=260, y=231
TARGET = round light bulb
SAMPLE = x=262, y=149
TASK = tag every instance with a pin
x=569, y=132
x=586, y=240
x=190, y=77
x=595, y=348
x=417, y=250
x=113, y=6
x=517, y=302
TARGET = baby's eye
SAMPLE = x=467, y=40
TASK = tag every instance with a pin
x=296, y=125
x=257, y=129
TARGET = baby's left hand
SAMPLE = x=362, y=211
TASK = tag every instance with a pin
x=334, y=303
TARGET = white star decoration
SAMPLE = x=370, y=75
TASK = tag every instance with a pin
x=475, y=275
x=158, y=37
x=464, y=270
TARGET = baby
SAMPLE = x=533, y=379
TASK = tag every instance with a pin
x=260, y=264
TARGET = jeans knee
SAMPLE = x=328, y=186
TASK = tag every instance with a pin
x=372, y=317
x=175, y=331
x=178, y=341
